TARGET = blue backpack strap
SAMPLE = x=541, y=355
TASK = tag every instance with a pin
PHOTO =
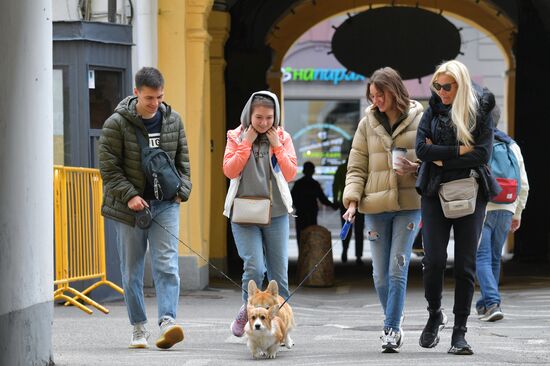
x=501, y=136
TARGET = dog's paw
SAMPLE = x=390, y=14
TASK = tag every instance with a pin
x=272, y=355
x=289, y=343
x=258, y=354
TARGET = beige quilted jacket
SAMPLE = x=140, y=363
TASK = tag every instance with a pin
x=370, y=179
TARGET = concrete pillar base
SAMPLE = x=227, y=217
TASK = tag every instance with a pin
x=27, y=336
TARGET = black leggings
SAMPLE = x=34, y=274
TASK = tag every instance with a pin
x=435, y=236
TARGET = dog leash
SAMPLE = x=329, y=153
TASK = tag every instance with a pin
x=204, y=259
x=343, y=235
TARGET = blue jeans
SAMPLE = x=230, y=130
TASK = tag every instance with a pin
x=264, y=248
x=163, y=247
x=391, y=235
x=495, y=229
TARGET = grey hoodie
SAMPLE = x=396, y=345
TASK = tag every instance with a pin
x=256, y=173
x=245, y=114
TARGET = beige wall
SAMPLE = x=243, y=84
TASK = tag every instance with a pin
x=183, y=58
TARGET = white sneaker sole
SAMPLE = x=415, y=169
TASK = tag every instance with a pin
x=493, y=317
x=170, y=337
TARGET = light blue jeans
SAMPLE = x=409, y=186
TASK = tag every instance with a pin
x=163, y=247
x=264, y=249
x=495, y=229
x=391, y=236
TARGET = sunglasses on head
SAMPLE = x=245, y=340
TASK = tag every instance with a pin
x=446, y=87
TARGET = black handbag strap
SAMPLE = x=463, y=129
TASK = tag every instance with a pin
x=140, y=138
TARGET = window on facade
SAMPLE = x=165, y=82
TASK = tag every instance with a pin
x=322, y=131
x=105, y=93
x=58, y=118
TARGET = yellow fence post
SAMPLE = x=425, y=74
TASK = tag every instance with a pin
x=79, y=235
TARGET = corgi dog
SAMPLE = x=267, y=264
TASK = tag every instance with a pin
x=268, y=324
x=266, y=331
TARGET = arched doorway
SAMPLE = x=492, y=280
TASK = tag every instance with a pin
x=480, y=14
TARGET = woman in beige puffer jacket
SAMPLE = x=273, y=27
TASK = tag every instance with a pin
x=386, y=196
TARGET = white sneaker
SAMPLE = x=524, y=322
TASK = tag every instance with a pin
x=392, y=340
x=139, y=337
x=170, y=334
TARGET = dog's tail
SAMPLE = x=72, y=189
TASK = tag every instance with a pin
x=291, y=324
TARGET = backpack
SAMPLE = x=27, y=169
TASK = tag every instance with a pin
x=505, y=168
x=159, y=170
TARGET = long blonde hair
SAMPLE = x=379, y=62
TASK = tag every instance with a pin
x=465, y=104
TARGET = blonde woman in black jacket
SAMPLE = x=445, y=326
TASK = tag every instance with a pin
x=454, y=141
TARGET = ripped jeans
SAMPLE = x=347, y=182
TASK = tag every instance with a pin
x=391, y=236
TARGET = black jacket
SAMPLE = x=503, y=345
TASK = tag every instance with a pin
x=436, y=125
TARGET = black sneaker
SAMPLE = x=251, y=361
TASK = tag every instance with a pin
x=392, y=340
x=492, y=314
x=430, y=335
x=459, y=346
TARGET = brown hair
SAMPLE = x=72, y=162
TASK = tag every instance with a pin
x=388, y=79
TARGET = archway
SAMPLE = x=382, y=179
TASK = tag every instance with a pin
x=480, y=14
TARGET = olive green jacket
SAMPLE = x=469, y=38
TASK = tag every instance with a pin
x=120, y=157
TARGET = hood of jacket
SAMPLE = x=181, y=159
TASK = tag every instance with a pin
x=127, y=108
x=486, y=99
x=245, y=114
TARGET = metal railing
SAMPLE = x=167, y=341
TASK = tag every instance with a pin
x=79, y=235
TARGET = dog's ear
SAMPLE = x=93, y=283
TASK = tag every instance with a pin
x=252, y=288
x=273, y=288
x=274, y=310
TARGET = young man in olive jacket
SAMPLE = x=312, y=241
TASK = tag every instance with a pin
x=127, y=192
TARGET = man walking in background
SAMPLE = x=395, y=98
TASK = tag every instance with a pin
x=305, y=194
x=358, y=226
x=501, y=218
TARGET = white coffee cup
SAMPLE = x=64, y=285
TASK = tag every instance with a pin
x=396, y=153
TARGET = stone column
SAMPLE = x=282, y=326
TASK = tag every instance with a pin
x=184, y=61
x=218, y=27
x=26, y=186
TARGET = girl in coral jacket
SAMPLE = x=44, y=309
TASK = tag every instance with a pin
x=260, y=161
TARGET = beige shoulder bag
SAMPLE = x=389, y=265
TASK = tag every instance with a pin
x=253, y=210
x=458, y=197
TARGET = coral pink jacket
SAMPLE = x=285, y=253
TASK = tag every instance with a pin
x=237, y=153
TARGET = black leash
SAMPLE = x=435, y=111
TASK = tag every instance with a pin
x=204, y=259
x=344, y=233
x=308, y=275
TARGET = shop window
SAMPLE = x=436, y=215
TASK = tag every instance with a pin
x=322, y=131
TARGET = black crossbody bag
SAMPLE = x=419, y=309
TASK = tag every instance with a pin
x=159, y=169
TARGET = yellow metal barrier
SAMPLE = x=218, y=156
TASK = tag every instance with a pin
x=79, y=235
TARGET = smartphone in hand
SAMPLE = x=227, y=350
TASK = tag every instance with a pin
x=345, y=230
